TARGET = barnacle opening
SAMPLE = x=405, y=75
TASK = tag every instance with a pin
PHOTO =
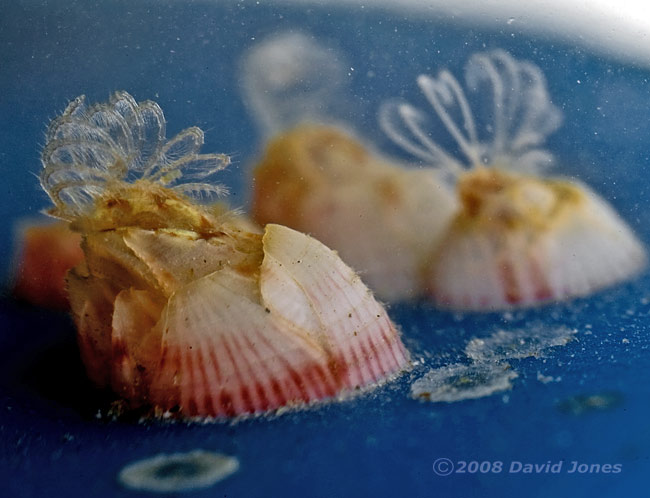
x=147, y=205
x=511, y=201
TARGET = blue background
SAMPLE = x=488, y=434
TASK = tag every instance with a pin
x=186, y=56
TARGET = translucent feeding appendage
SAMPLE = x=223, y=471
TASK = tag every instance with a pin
x=511, y=117
x=290, y=78
x=90, y=149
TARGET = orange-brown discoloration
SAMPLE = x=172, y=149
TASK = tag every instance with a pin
x=503, y=201
x=46, y=253
x=298, y=162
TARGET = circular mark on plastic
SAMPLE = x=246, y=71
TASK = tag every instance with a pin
x=198, y=469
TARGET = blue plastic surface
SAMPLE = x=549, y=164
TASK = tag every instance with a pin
x=383, y=444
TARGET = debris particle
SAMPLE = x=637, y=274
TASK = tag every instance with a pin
x=587, y=403
x=545, y=379
x=459, y=382
x=517, y=344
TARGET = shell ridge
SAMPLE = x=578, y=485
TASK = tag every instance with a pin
x=320, y=362
x=320, y=337
x=345, y=345
x=233, y=395
x=312, y=324
x=330, y=339
x=239, y=352
x=193, y=392
x=267, y=374
x=206, y=345
x=353, y=310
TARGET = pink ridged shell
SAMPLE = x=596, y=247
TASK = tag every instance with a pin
x=230, y=343
x=186, y=307
x=581, y=248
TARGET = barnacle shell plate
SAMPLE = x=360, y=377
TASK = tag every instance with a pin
x=186, y=307
x=521, y=240
x=233, y=338
x=384, y=220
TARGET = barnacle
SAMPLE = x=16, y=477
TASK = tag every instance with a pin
x=382, y=219
x=321, y=179
x=187, y=307
x=518, y=238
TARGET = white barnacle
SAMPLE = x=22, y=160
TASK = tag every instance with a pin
x=182, y=309
x=506, y=128
x=518, y=239
x=92, y=149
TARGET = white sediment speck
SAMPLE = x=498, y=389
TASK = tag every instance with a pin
x=545, y=379
x=176, y=472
